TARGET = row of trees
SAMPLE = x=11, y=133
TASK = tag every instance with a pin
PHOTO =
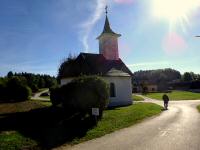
x=190, y=76
x=157, y=76
x=19, y=86
x=34, y=81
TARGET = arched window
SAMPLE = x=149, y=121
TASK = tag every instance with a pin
x=112, y=90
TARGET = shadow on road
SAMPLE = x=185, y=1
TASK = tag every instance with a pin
x=50, y=127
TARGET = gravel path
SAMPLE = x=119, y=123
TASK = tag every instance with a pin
x=37, y=96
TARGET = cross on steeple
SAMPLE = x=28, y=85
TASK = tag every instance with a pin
x=106, y=8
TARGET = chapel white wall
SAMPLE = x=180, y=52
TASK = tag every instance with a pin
x=123, y=89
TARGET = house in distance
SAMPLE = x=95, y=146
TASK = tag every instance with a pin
x=106, y=64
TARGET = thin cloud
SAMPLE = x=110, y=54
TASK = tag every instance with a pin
x=88, y=25
x=145, y=64
x=124, y=1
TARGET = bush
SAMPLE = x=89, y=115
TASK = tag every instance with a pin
x=55, y=96
x=81, y=95
x=2, y=91
x=34, y=88
x=17, y=91
x=14, y=90
x=85, y=93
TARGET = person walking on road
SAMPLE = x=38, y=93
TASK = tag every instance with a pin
x=166, y=101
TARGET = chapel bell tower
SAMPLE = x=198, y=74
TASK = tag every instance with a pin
x=108, y=41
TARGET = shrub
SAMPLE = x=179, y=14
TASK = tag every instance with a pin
x=2, y=91
x=85, y=93
x=55, y=95
x=34, y=88
x=17, y=91
x=14, y=90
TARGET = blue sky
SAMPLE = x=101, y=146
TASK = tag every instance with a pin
x=36, y=35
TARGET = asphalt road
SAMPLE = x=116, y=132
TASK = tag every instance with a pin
x=175, y=129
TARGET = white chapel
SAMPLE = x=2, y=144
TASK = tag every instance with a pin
x=107, y=64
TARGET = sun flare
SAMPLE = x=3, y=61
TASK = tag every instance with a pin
x=174, y=10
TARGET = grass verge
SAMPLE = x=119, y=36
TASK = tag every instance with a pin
x=175, y=95
x=120, y=118
x=22, y=106
x=13, y=140
x=137, y=98
x=43, y=89
x=48, y=97
x=198, y=107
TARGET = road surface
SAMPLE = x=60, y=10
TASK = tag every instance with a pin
x=36, y=96
x=175, y=129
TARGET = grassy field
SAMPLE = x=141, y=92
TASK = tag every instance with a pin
x=6, y=108
x=43, y=89
x=198, y=107
x=137, y=98
x=32, y=124
x=12, y=139
x=48, y=97
x=120, y=118
x=175, y=95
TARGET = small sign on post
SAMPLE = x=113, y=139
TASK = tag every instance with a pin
x=95, y=111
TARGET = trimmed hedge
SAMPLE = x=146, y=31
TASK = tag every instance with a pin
x=82, y=94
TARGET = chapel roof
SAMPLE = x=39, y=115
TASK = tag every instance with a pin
x=95, y=64
x=107, y=29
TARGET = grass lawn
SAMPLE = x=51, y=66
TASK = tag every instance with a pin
x=44, y=103
x=6, y=108
x=43, y=89
x=198, y=107
x=12, y=139
x=137, y=98
x=48, y=97
x=120, y=118
x=175, y=95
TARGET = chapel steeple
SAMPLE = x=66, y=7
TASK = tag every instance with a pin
x=108, y=41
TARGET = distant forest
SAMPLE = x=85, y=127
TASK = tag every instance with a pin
x=164, y=78
x=33, y=81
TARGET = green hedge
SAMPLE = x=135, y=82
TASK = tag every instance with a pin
x=82, y=94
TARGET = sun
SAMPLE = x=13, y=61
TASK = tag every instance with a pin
x=174, y=11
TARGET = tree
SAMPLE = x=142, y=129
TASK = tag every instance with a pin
x=41, y=83
x=66, y=65
x=187, y=76
x=10, y=74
